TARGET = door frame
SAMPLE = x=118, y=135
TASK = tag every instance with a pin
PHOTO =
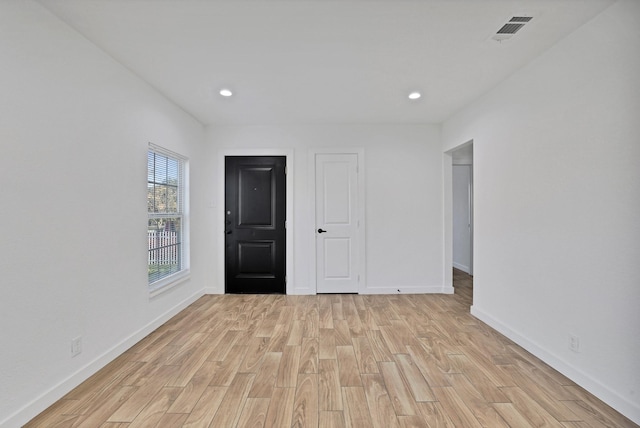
x=311, y=192
x=447, y=164
x=222, y=154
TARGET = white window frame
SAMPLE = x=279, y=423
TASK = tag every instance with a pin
x=169, y=281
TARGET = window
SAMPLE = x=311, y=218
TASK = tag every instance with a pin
x=167, y=222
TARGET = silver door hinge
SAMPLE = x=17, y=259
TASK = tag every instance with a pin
x=285, y=170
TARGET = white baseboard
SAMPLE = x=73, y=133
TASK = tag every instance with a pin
x=409, y=289
x=595, y=387
x=303, y=292
x=46, y=399
x=447, y=290
x=463, y=268
x=435, y=289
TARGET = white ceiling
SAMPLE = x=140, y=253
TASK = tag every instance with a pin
x=322, y=61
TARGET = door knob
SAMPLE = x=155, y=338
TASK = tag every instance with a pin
x=321, y=231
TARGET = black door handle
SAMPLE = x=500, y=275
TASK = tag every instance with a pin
x=228, y=232
x=322, y=231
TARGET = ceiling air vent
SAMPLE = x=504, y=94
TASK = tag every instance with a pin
x=510, y=28
x=521, y=19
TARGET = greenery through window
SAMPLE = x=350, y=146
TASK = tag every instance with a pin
x=165, y=206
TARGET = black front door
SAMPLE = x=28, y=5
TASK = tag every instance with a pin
x=255, y=214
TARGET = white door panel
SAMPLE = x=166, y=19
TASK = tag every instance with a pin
x=337, y=243
x=337, y=258
x=337, y=209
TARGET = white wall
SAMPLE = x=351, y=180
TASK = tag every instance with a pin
x=403, y=197
x=557, y=204
x=74, y=128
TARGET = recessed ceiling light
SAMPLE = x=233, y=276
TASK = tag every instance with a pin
x=226, y=92
x=414, y=95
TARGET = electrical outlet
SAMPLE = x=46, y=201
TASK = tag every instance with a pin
x=76, y=346
x=574, y=343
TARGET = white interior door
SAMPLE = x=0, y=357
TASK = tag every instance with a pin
x=337, y=242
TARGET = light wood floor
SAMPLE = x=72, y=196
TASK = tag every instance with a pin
x=329, y=361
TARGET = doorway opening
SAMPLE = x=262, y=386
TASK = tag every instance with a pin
x=461, y=220
x=463, y=286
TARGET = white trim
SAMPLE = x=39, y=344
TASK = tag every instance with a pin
x=613, y=399
x=311, y=192
x=471, y=218
x=463, y=268
x=410, y=289
x=288, y=153
x=167, y=283
x=304, y=292
x=164, y=151
x=447, y=208
x=47, y=398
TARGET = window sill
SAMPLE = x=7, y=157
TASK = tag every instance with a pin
x=168, y=283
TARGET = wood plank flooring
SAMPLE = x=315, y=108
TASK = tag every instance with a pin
x=329, y=361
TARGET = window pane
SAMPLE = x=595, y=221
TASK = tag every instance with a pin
x=151, y=157
x=160, y=198
x=173, y=171
x=172, y=199
x=165, y=242
x=160, y=169
x=150, y=198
